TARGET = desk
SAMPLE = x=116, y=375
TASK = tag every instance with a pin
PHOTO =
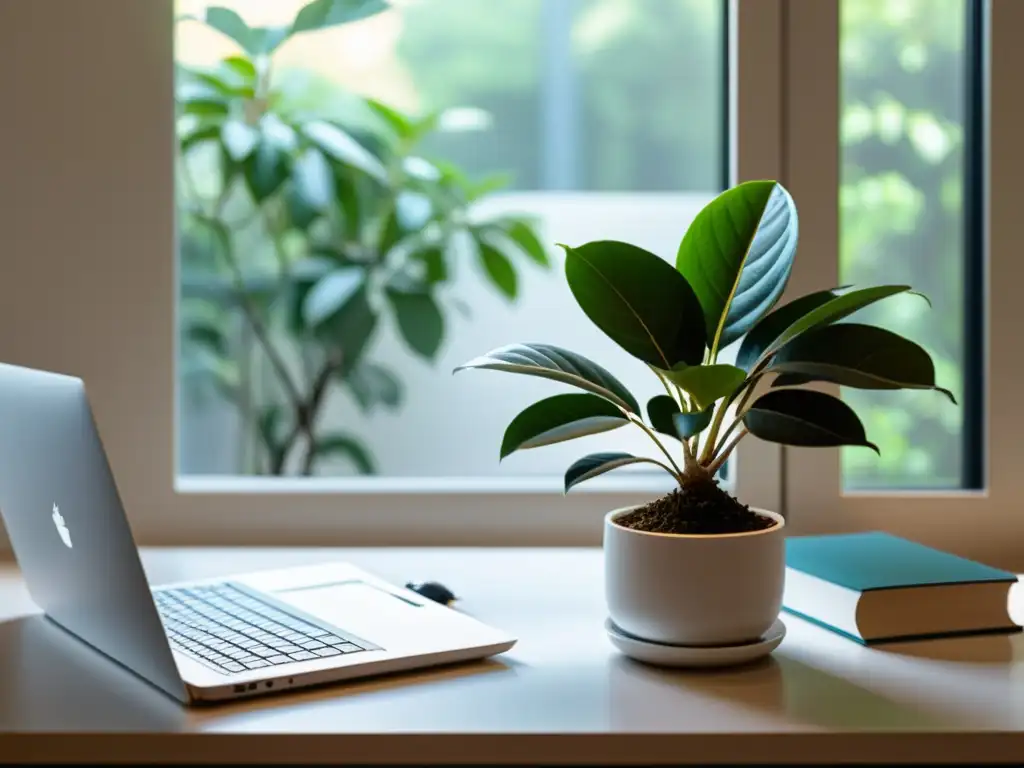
x=561, y=695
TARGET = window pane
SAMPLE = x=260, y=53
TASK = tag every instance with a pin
x=904, y=70
x=605, y=120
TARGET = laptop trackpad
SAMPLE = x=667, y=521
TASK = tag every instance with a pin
x=357, y=608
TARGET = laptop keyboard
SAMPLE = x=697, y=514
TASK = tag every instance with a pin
x=234, y=632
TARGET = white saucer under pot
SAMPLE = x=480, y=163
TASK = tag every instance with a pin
x=696, y=655
x=694, y=590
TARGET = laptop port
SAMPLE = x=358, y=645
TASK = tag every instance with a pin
x=269, y=683
x=252, y=686
x=240, y=688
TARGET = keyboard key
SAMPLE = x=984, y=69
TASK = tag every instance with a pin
x=263, y=651
x=332, y=639
x=348, y=647
x=233, y=666
x=311, y=645
x=288, y=648
x=256, y=664
x=302, y=656
x=327, y=652
x=278, y=659
x=316, y=632
x=248, y=643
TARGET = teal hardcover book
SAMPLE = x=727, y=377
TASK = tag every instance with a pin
x=874, y=587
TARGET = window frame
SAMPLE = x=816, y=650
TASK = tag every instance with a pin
x=97, y=296
x=983, y=523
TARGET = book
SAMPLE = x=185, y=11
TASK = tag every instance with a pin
x=874, y=587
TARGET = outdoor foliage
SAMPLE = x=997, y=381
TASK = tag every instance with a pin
x=731, y=268
x=301, y=232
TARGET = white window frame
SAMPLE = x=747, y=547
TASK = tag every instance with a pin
x=90, y=284
x=986, y=524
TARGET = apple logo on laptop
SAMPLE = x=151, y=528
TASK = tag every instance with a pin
x=62, y=529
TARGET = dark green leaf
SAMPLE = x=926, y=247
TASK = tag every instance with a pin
x=350, y=330
x=661, y=409
x=522, y=233
x=372, y=384
x=330, y=294
x=239, y=139
x=790, y=380
x=772, y=325
x=328, y=13
x=223, y=86
x=560, y=418
x=266, y=169
x=638, y=300
x=861, y=356
x=229, y=23
x=550, y=362
x=498, y=268
x=707, y=383
x=435, y=267
x=243, y=67
x=402, y=126
x=341, y=147
x=805, y=417
x=738, y=254
x=266, y=40
x=693, y=423
x=198, y=136
x=348, y=446
x=208, y=335
x=597, y=464
x=833, y=311
x=419, y=320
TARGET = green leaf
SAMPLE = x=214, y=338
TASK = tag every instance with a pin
x=419, y=320
x=222, y=86
x=772, y=325
x=498, y=268
x=833, y=311
x=341, y=147
x=861, y=356
x=312, y=181
x=402, y=126
x=328, y=13
x=330, y=294
x=738, y=254
x=638, y=300
x=693, y=423
x=372, y=385
x=435, y=267
x=348, y=446
x=265, y=40
x=661, y=410
x=521, y=232
x=560, y=418
x=204, y=107
x=597, y=464
x=266, y=169
x=209, y=335
x=198, y=135
x=550, y=362
x=229, y=23
x=351, y=329
x=805, y=417
x=707, y=383
x=239, y=139
x=243, y=67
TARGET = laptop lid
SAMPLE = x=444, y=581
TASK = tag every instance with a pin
x=68, y=529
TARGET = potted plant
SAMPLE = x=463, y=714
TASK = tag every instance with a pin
x=697, y=567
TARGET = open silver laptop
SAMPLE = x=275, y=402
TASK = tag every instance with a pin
x=202, y=641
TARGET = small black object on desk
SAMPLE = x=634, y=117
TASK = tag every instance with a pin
x=433, y=590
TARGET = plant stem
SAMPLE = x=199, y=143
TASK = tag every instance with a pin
x=716, y=465
x=738, y=420
x=677, y=471
x=712, y=434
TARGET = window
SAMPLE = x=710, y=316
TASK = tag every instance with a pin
x=607, y=120
x=92, y=231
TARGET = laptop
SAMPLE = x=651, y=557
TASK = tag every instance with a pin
x=201, y=641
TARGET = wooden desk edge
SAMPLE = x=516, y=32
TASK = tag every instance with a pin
x=598, y=748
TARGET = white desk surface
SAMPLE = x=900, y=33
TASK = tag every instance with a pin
x=561, y=695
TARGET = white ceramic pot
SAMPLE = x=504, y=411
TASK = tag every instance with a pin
x=681, y=589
